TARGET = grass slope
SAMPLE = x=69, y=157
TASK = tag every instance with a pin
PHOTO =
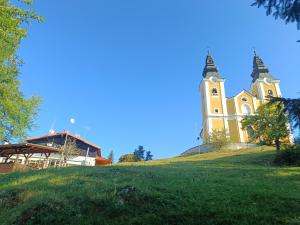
x=226, y=187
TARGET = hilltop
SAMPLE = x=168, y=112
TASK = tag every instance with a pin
x=225, y=187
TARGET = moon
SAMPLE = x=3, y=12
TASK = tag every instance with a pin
x=72, y=120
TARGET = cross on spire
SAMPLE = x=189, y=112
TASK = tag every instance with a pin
x=254, y=50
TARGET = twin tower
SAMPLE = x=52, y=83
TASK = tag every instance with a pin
x=221, y=113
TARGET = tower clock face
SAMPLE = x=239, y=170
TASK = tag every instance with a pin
x=268, y=80
x=213, y=79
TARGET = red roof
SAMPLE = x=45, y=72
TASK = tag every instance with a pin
x=65, y=133
x=100, y=161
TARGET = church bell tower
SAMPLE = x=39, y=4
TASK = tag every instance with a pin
x=263, y=83
x=214, y=108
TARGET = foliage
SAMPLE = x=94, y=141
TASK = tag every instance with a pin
x=111, y=156
x=16, y=112
x=287, y=10
x=297, y=140
x=139, y=152
x=149, y=156
x=292, y=108
x=290, y=156
x=225, y=187
x=128, y=158
x=218, y=138
x=268, y=125
x=70, y=149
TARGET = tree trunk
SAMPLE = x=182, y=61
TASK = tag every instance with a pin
x=277, y=143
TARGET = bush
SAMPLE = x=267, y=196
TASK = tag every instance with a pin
x=128, y=158
x=289, y=156
x=219, y=138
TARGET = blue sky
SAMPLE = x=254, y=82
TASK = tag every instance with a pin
x=128, y=71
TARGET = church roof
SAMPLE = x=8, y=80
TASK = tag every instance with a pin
x=249, y=93
x=210, y=69
x=259, y=69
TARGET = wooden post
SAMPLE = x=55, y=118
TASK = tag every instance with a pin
x=27, y=157
x=47, y=159
x=8, y=157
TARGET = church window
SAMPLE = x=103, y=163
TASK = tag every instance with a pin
x=270, y=92
x=246, y=109
x=214, y=92
x=216, y=110
x=244, y=99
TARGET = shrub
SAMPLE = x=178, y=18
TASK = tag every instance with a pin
x=219, y=138
x=289, y=156
x=128, y=158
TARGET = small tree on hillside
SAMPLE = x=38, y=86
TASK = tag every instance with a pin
x=269, y=125
x=139, y=153
x=128, y=158
x=69, y=150
x=111, y=156
x=149, y=156
x=219, y=138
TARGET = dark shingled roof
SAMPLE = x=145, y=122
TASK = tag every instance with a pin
x=210, y=69
x=259, y=69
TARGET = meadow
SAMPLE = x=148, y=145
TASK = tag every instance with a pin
x=225, y=187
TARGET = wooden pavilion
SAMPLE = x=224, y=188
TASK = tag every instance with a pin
x=27, y=150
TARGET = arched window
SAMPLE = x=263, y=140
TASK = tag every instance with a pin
x=246, y=109
x=270, y=92
x=214, y=92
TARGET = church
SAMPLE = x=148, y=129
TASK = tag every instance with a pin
x=222, y=113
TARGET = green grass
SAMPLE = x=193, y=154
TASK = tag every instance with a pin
x=226, y=187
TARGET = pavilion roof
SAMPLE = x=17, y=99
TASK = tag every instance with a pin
x=26, y=148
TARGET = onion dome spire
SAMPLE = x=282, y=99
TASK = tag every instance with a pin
x=259, y=69
x=210, y=69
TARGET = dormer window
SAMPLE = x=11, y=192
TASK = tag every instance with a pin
x=270, y=92
x=214, y=92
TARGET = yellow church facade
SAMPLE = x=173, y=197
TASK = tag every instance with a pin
x=222, y=113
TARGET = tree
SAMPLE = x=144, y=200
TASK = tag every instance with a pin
x=69, y=150
x=128, y=158
x=269, y=125
x=149, y=156
x=291, y=108
x=111, y=156
x=139, y=153
x=16, y=112
x=218, y=138
x=287, y=10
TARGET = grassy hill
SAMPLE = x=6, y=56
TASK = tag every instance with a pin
x=226, y=187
